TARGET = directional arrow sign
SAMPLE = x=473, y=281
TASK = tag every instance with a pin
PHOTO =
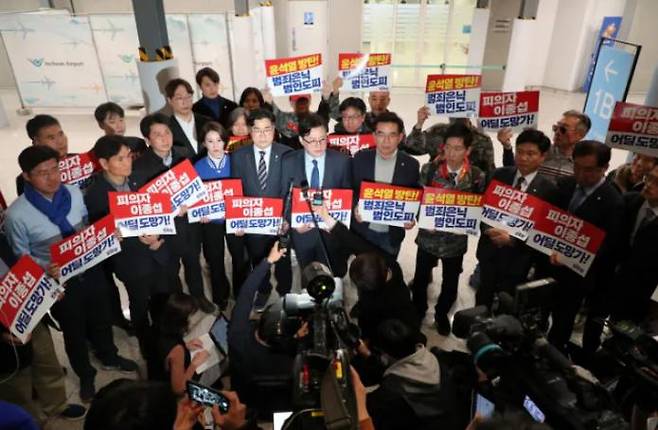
x=612, y=75
x=608, y=70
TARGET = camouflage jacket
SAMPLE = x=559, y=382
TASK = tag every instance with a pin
x=439, y=243
x=287, y=123
x=430, y=142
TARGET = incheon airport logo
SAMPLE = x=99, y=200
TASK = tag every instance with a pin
x=36, y=62
x=41, y=61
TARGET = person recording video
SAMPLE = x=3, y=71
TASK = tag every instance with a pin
x=261, y=360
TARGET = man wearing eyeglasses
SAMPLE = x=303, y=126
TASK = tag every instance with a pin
x=387, y=165
x=259, y=166
x=352, y=117
x=570, y=129
x=322, y=170
x=637, y=273
x=185, y=125
x=591, y=198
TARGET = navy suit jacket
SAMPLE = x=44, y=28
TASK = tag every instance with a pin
x=605, y=209
x=243, y=166
x=337, y=172
x=201, y=108
x=405, y=174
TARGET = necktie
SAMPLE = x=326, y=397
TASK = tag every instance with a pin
x=649, y=216
x=452, y=176
x=577, y=199
x=519, y=183
x=262, y=171
x=315, y=176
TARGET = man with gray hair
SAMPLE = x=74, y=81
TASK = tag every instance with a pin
x=569, y=130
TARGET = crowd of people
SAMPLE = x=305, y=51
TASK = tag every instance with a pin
x=269, y=150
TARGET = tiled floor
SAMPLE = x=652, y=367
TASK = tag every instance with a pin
x=83, y=132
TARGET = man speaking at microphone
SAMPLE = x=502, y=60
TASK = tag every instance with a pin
x=318, y=169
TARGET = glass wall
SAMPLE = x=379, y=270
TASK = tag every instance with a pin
x=420, y=34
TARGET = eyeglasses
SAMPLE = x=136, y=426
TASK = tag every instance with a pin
x=650, y=180
x=453, y=148
x=318, y=142
x=262, y=131
x=561, y=128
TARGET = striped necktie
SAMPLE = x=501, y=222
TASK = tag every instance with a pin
x=262, y=171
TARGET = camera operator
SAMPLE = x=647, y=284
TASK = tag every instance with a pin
x=259, y=356
x=409, y=395
x=378, y=278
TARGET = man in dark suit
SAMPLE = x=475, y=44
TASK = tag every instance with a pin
x=590, y=197
x=212, y=104
x=504, y=260
x=321, y=169
x=387, y=165
x=144, y=263
x=637, y=273
x=185, y=125
x=161, y=156
x=260, y=168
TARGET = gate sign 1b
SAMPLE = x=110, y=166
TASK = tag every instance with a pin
x=612, y=76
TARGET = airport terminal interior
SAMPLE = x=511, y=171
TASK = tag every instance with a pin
x=65, y=57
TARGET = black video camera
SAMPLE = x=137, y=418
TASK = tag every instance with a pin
x=524, y=371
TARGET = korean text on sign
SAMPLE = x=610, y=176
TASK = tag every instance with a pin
x=517, y=110
x=350, y=144
x=574, y=240
x=136, y=214
x=78, y=169
x=634, y=128
x=510, y=209
x=451, y=211
x=253, y=215
x=85, y=249
x=212, y=206
x=26, y=294
x=337, y=201
x=294, y=75
x=457, y=96
x=181, y=182
x=364, y=72
x=388, y=204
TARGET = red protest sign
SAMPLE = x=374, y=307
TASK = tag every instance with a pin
x=294, y=75
x=181, y=182
x=634, y=128
x=212, y=206
x=574, y=240
x=350, y=144
x=253, y=215
x=86, y=248
x=136, y=214
x=26, y=294
x=337, y=201
x=449, y=210
x=510, y=209
x=78, y=169
x=388, y=204
x=517, y=110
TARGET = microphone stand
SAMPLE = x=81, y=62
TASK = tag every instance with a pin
x=323, y=244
